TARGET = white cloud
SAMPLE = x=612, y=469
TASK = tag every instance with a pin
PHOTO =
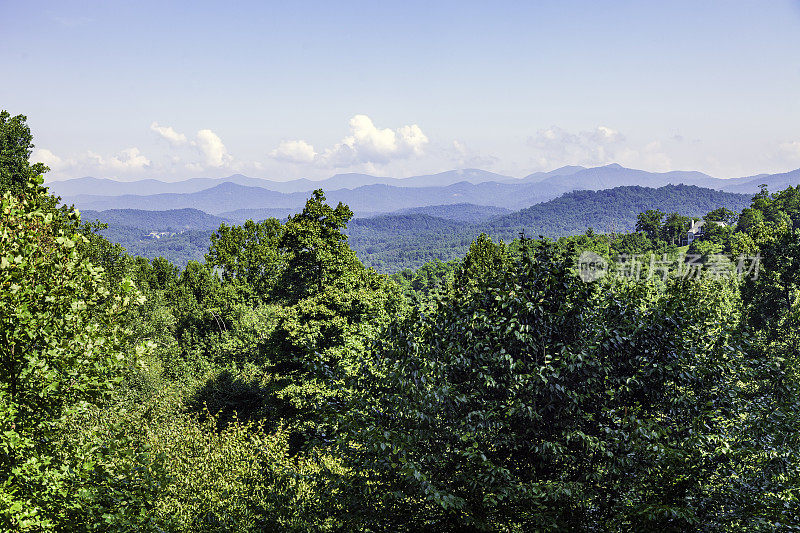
x=605, y=135
x=95, y=159
x=466, y=157
x=208, y=143
x=555, y=147
x=590, y=147
x=791, y=149
x=42, y=155
x=127, y=159
x=294, y=152
x=212, y=148
x=650, y=157
x=168, y=133
x=412, y=140
x=368, y=144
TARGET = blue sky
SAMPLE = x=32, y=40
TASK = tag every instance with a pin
x=171, y=90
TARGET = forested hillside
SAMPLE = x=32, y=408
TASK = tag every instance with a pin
x=390, y=243
x=611, y=210
x=173, y=219
x=598, y=382
x=462, y=212
x=413, y=237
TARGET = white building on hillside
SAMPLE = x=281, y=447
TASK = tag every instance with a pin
x=696, y=230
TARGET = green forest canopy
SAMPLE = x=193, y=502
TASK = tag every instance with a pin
x=278, y=384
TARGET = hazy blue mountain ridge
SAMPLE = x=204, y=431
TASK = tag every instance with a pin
x=108, y=187
x=575, y=177
x=367, y=199
x=504, y=192
x=411, y=237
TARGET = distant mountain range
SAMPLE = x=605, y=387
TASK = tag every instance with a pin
x=364, y=200
x=410, y=237
x=195, y=220
x=401, y=240
x=107, y=187
x=239, y=197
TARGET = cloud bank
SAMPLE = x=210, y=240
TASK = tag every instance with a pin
x=554, y=147
x=405, y=150
x=126, y=160
x=366, y=145
x=294, y=152
x=791, y=150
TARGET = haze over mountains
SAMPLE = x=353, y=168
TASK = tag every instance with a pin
x=410, y=237
x=405, y=222
x=108, y=187
x=367, y=195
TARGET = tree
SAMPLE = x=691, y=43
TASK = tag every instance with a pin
x=484, y=261
x=248, y=254
x=62, y=340
x=315, y=247
x=650, y=222
x=722, y=214
x=332, y=309
x=16, y=145
x=631, y=244
x=774, y=228
x=546, y=403
x=674, y=228
x=768, y=478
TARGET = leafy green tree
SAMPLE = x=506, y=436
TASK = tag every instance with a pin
x=103, y=253
x=632, y=244
x=674, y=228
x=722, y=214
x=332, y=308
x=484, y=261
x=768, y=478
x=649, y=222
x=62, y=341
x=16, y=145
x=315, y=247
x=749, y=220
x=248, y=254
x=431, y=277
x=576, y=244
x=204, y=313
x=546, y=403
x=774, y=228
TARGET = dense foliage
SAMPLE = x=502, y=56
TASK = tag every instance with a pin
x=533, y=400
x=16, y=145
x=278, y=384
